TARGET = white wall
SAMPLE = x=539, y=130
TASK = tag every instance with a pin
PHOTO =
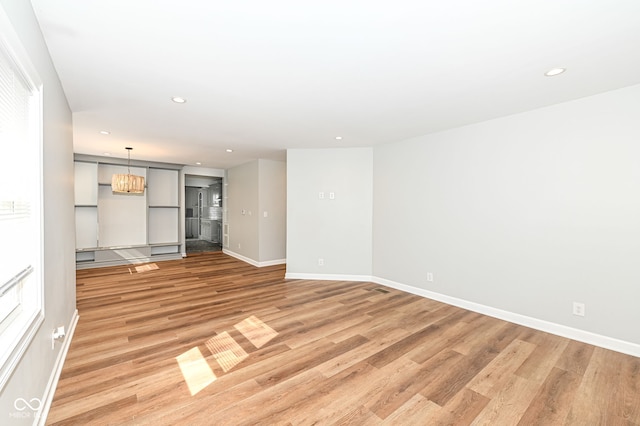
x=199, y=181
x=243, y=211
x=339, y=230
x=202, y=171
x=526, y=213
x=31, y=379
x=272, y=199
x=253, y=189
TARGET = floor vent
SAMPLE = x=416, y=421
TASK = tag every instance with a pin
x=381, y=290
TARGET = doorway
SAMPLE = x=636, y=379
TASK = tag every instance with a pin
x=203, y=211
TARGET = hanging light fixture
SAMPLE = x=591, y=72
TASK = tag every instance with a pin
x=128, y=184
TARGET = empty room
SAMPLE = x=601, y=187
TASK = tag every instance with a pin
x=290, y=213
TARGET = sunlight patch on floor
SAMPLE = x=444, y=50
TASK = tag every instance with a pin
x=147, y=267
x=197, y=373
x=256, y=331
x=226, y=351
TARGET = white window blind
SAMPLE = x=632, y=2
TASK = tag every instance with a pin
x=21, y=307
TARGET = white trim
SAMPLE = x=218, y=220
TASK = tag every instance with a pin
x=326, y=277
x=272, y=262
x=55, y=373
x=606, y=342
x=253, y=262
x=240, y=257
x=28, y=334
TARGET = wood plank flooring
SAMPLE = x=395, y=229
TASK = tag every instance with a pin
x=210, y=340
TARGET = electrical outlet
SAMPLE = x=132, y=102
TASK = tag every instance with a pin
x=430, y=277
x=320, y=262
x=58, y=334
x=332, y=195
x=578, y=309
x=321, y=195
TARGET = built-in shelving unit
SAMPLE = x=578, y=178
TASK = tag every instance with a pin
x=86, y=209
x=164, y=211
x=118, y=228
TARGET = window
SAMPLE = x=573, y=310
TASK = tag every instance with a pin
x=21, y=284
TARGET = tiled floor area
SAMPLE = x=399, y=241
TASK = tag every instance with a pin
x=200, y=246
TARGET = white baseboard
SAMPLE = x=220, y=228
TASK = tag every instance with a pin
x=326, y=277
x=272, y=262
x=254, y=262
x=538, y=324
x=55, y=374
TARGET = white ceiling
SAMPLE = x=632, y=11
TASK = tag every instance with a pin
x=260, y=77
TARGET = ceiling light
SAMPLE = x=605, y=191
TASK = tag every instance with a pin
x=108, y=154
x=198, y=164
x=178, y=100
x=104, y=132
x=555, y=71
x=229, y=150
x=128, y=184
x=339, y=138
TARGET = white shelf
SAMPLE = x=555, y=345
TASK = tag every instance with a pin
x=88, y=256
x=120, y=228
x=163, y=225
x=165, y=249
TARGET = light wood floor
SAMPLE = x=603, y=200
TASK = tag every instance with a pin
x=209, y=340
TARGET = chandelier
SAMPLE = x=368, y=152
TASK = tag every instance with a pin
x=128, y=184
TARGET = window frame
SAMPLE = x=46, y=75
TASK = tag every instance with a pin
x=24, y=325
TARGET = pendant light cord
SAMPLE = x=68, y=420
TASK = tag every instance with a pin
x=128, y=159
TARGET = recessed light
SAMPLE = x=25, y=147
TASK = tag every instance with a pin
x=229, y=150
x=178, y=100
x=108, y=154
x=339, y=138
x=104, y=132
x=198, y=164
x=555, y=71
